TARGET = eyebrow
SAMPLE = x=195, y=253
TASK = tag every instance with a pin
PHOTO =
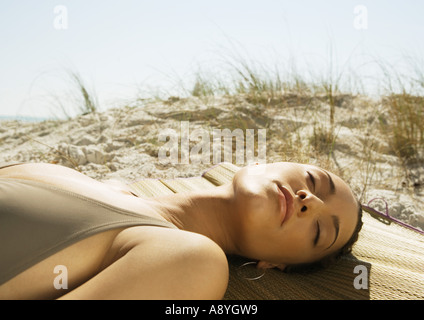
x=336, y=223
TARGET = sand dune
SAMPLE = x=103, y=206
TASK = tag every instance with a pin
x=123, y=144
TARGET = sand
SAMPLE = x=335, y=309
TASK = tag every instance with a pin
x=123, y=144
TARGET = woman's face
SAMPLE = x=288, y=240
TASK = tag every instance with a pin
x=292, y=213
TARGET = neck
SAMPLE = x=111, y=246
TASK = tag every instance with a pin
x=210, y=213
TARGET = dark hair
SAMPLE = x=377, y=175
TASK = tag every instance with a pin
x=331, y=258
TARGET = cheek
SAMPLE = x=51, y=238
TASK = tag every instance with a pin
x=245, y=183
x=254, y=196
x=295, y=246
x=256, y=214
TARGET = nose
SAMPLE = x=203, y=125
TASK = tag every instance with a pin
x=307, y=202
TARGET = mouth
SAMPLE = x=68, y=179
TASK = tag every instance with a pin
x=286, y=203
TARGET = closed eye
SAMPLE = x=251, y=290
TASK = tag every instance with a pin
x=317, y=235
x=311, y=177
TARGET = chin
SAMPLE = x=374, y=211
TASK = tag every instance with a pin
x=251, y=186
x=255, y=196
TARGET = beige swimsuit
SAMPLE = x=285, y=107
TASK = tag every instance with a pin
x=38, y=220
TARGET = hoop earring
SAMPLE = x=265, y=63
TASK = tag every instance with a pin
x=250, y=278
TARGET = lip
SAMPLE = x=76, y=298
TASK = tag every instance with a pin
x=286, y=203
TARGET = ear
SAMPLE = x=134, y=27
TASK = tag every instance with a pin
x=282, y=266
x=268, y=265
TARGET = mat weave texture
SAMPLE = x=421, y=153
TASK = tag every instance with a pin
x=387, y=262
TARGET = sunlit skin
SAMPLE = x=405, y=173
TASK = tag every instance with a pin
x=245, y=217
x=276, y=214
x=310, y=232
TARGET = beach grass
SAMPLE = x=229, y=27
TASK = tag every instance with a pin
x=324, y=105
x=374, y=142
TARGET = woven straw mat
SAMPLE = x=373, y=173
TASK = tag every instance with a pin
x=387, y=262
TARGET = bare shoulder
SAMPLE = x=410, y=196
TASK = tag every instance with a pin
x=134, y=263
x=191, y=247
x=195, y=266
x=159, y=263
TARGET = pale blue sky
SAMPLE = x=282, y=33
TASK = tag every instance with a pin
x=117, y=45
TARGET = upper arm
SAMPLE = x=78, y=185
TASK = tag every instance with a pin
x=162, y=264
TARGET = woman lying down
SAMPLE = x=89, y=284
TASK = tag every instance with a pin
x=114, y=245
